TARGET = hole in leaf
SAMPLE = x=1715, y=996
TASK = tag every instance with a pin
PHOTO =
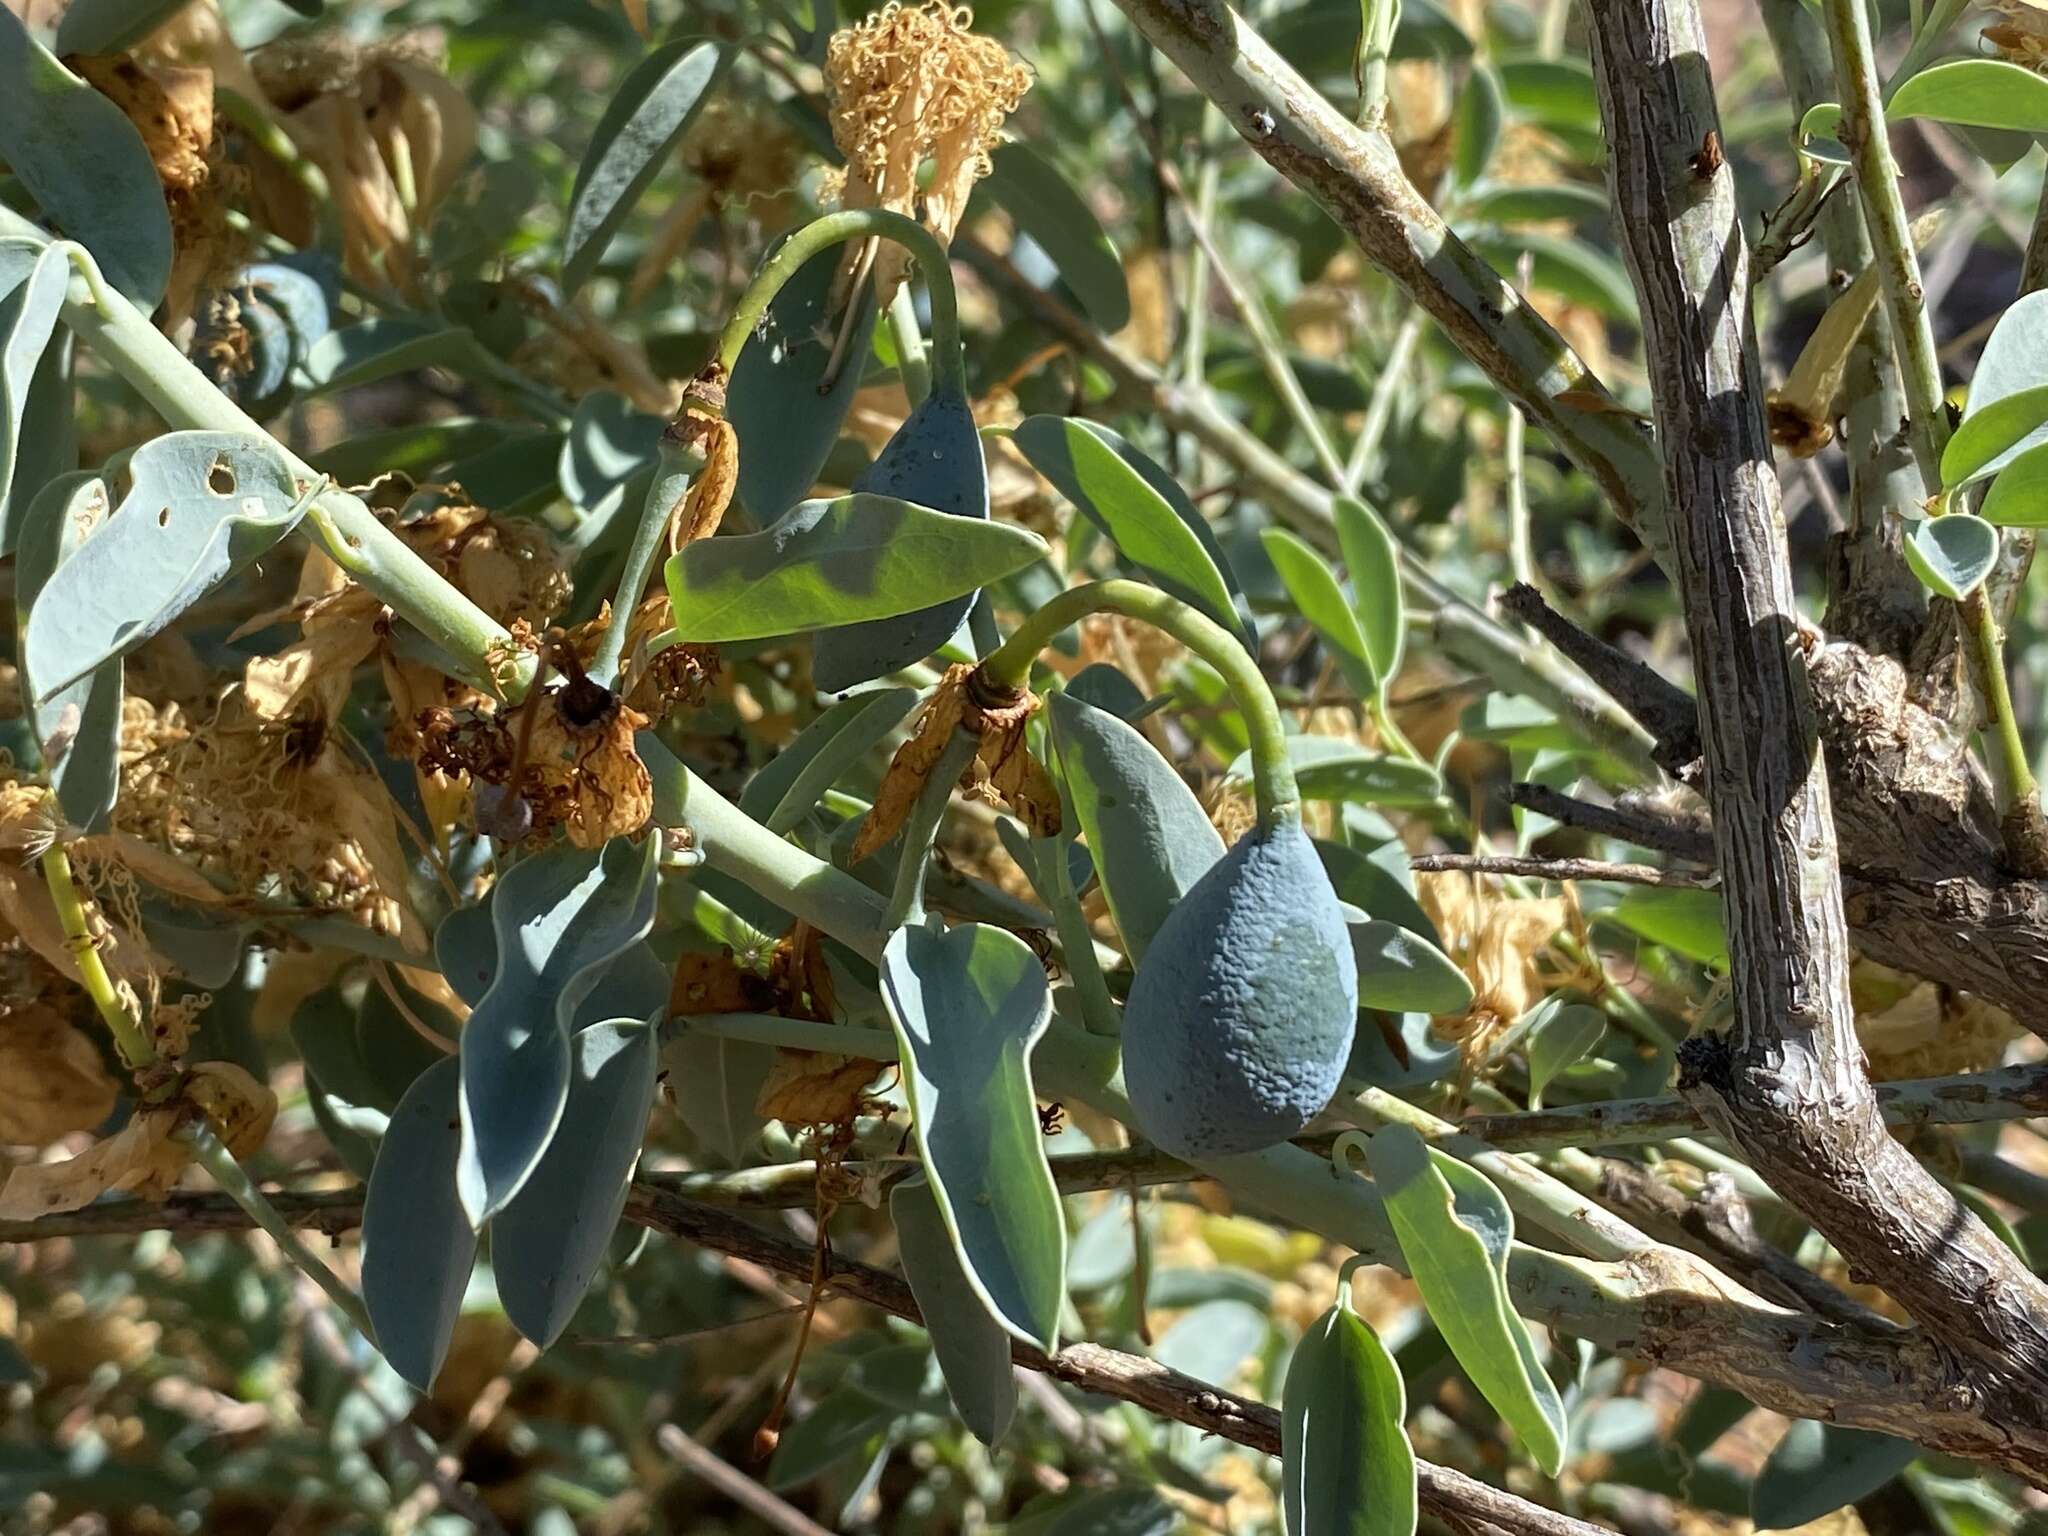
x=221, y=478
x=163, y=518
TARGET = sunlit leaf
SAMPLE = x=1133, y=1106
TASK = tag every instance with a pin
x=1977, y=93
x=1346, y=1466
x=1951, y=555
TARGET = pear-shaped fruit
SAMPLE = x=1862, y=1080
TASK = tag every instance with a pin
x=1241, y=1017
x=934, y=460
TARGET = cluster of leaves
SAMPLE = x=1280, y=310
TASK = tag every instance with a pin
x=446, y=869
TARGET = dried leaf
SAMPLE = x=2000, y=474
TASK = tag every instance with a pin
x=711, y=492
x=145, y=1157
x=717, y=983
x=57, y=1082
x=814, y=1087
x=239, y=1108
x=913, y=763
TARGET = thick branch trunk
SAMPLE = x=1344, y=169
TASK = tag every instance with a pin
x=1786, y=1084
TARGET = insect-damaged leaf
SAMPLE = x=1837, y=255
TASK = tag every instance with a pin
x=199, y=507
x=968, y=1006
x=560, y=917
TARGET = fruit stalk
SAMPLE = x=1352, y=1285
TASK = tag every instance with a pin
x=1009, y=667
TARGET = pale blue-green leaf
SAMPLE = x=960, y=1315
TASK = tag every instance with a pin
x=1818, y=1468
x=2018, y=498
x=648, y=114
x=1329, y=769
x=716, y=1084
x=111, y=26
x=78, y=726
x=1400, y=971
x=609, y=441
x=1105, y=1250
x=29, y=307
x=1379, y=883
x=1819, y=135
x=352, y=1130
x=200, y=506
x=1565, y=1036
x=1476, y=125
x=1989, y=427
x=1106, y=688
x=1346, y=1467
x=1321, y=601
x=1211, y=1342
x=46, y=445
x=85, y=165
x=1373, y=561
x=786, y=423
x=973, y=1349
x=390, y=1044
x=548, y=1241
x=560, y=918
x=1951, y=555
x=2010, y=365
x=382, y=346
x=968, y=1006
x=1147, y=833
x=1454, y=1230
x=418, y=1247
x=1098, y=475
x=1042, y=204
x=323, y=1028
x=791, y=783
x=466, y=950
x=1683, y=920
x=837, y=562
x=1976, y=93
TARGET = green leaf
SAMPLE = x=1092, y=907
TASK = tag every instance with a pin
x=1566, y=266
x=1951, y=555
x=77, y=726
x=418, y=1247
x=1454, y=1229
x=786, y=423
x=1402, y=972
x=1687, y=921
x=382, y=347
x=973, y=1349
x=560, y=917
x=609, y=441
x=1046, y=208
x=1515, y=204
x=968, y=1006
x=45, y=445
x=841, y=1426
x=111, y=26
x=1977, y=93
x=1322, y=602
x=1818, y=1468
x=1563, y=1037
x=1819, y=134
x=1147, y=833
x=85, y=165
x=547, y=1243
x=1132, y=499
x=1212, y=1341
x=792, y=782
x=200, y=506
x=1373, y=561
x=1346, y=1467
x=837, y=562
x=2004, y=415
x=1329, y=769
x=1556, y=93
x=33, y=281
x=716, y=1084
x=2018, y=498
x=1475, y=133
x=648, y=115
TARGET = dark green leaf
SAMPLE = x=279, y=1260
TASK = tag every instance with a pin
x=1346, y=1466
x=1555, y=93
x=649, y=113
x=791, y=783
x=609, y=441
x=380, y=347
x=1977, y=93
x=1475, y=134
x=418, y=1247
x=1321, y=601
x=1818, y=1468
x=111, y=26
x=1515, y=204
x=973, y=1349
x=1038, y=199
x=968, y=1006
x=1563, y=1037
x=1683, y=920
x=836, y=562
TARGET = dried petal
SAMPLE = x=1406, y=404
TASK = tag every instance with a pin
x=56, y=1080
x=814, y=1087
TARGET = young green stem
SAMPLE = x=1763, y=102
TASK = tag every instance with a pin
x=1375, y=44
x=921, y=831
x=2012, y=776
x=130, y=1038
x=949, y=370
x=673, y=471
x=1009, y=666
x=913, y=363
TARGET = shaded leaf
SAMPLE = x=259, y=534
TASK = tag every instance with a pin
x=1684, y=920
x=973, y=1349
x=716, y=1083
x=1329, y=769
x=1046, y=208
x=33, y=282
x=1212, y=1341
x=1373, y=560
x=791, y=783
x=418, y=1247
x=1321, y=601
x=1818, y=1468
x=1400, y=971
x=1565, y=1036
x=78, y=727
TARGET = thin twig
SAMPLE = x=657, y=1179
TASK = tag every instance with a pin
x=1565, y=869
x=764, y=1505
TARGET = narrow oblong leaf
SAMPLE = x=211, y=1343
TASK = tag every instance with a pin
x=418, y=1247
x=1314, y=588
x=78, y=726
x=547, y=1243
x=200, y=506
x=791, y=783
x=1346, y=1467
x=1046, y=208
x=1975, y=93
x=968, y=1006
x=1951, y=555
x=1373, y=561
x=1454, y=1229
x=1818, y=1468
x=382, y=347
x=28, y=320
x=1151, y=522
x=1329, y=769
x=1476, y=125
x=835, y=562
x=1147, y=833
x=560, y=917
x=1562, y=1038
x=973, y=1349
x=85, y=165
x=651, y=110
x=1400, y=971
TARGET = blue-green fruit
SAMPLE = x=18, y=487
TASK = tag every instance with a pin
x=934, y=460
x=1241, y=1017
